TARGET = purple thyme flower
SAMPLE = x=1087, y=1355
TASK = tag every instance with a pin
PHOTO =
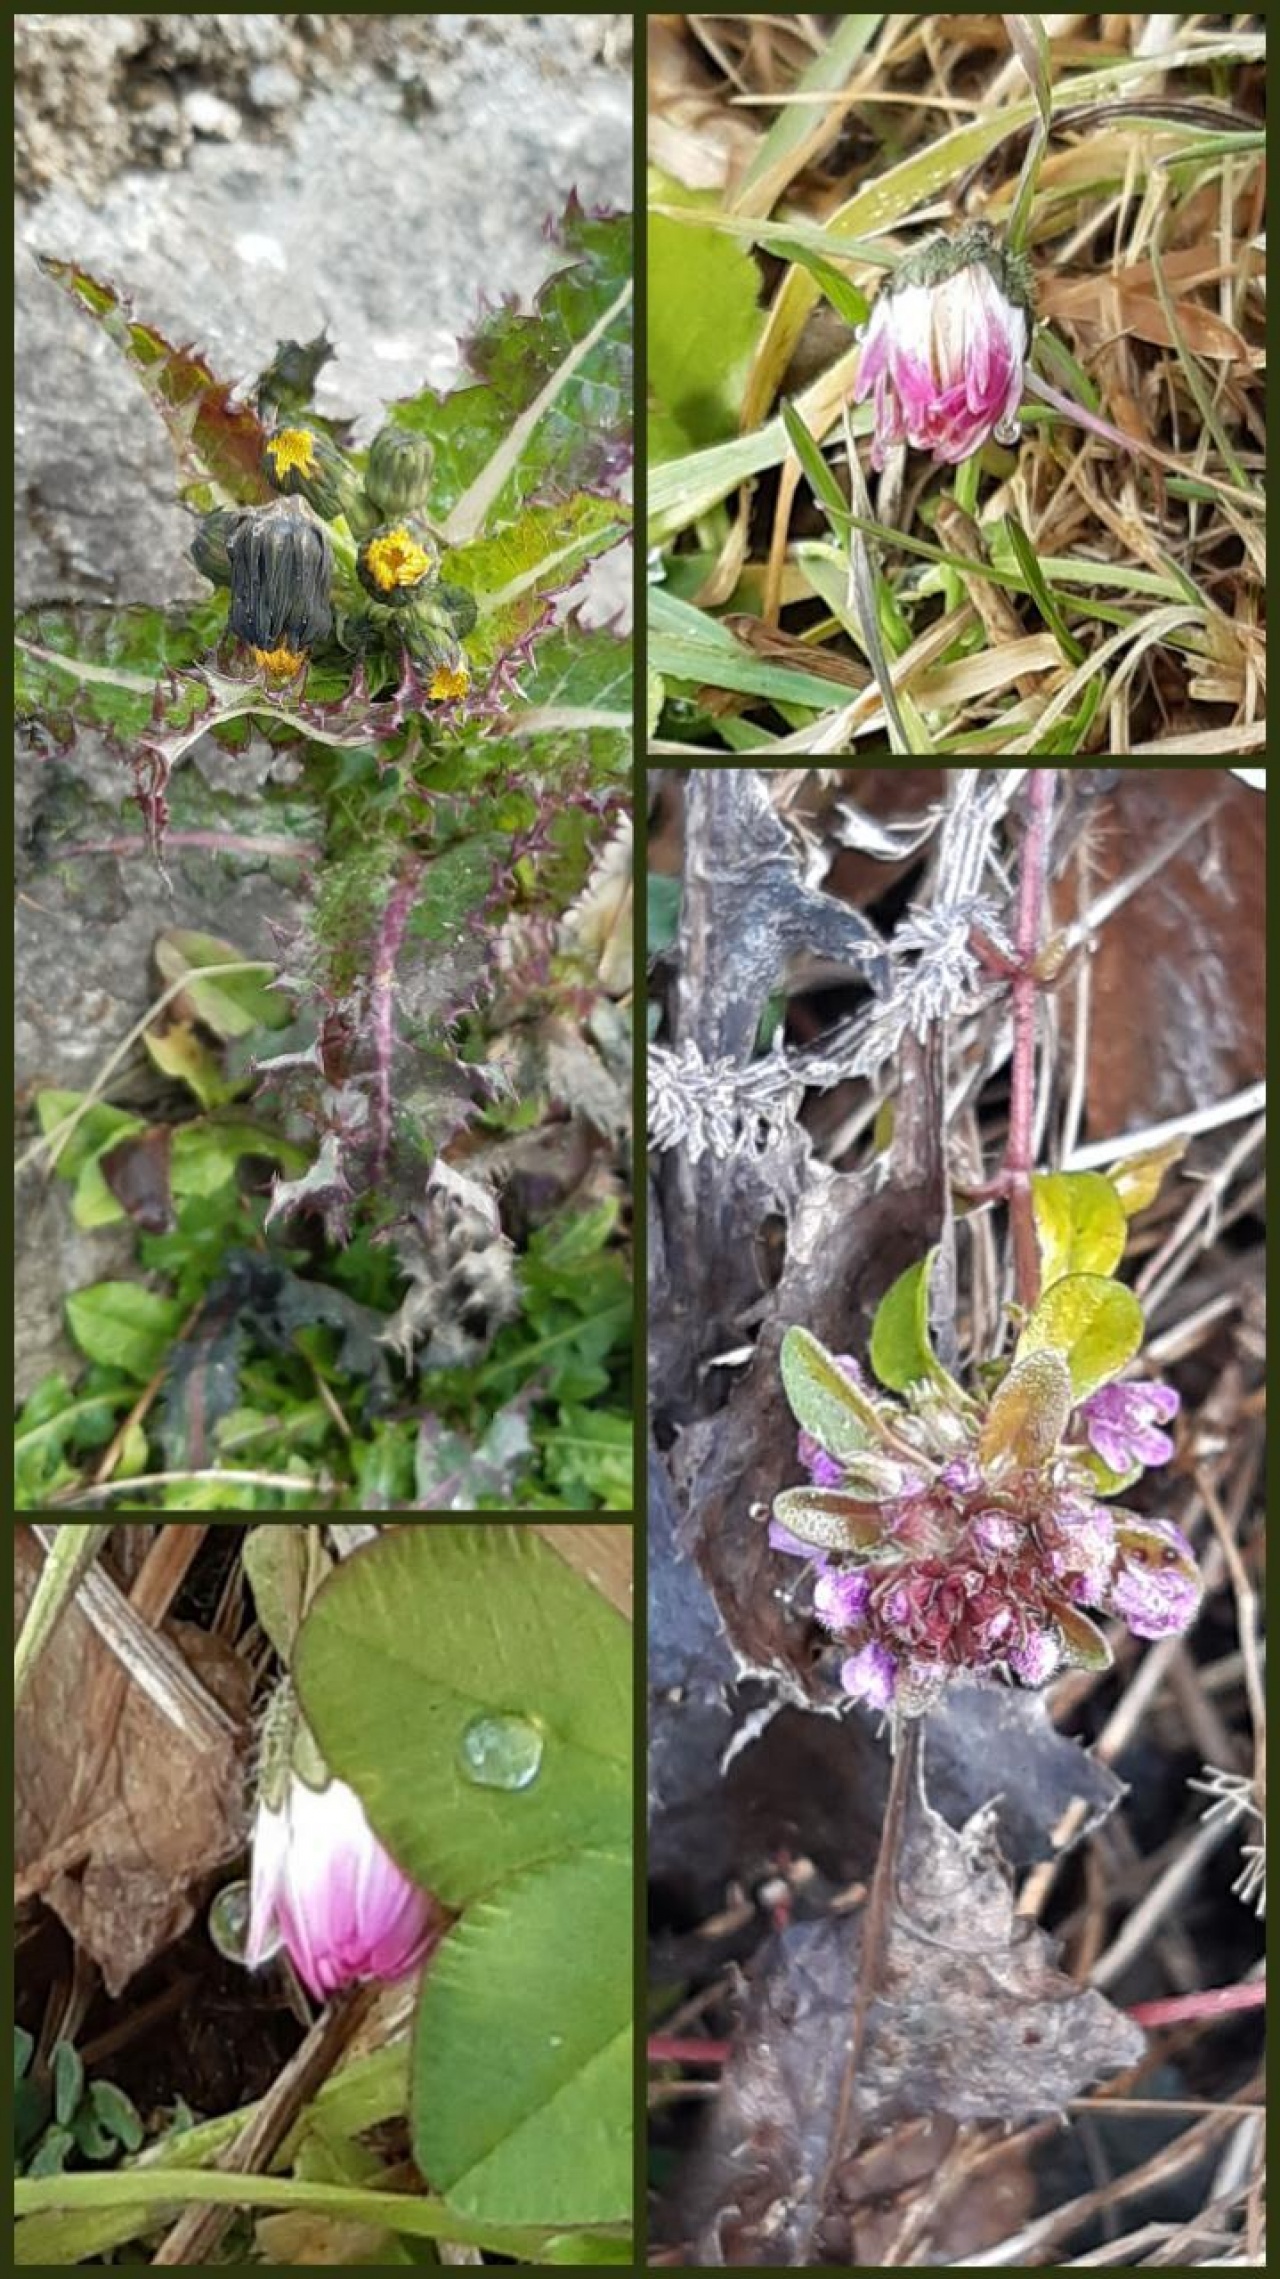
x=870, y=1675
x=934, y=1560
x=840, y=1597
x=944, y=348
x=1156, y=1587
x=1122, y=1422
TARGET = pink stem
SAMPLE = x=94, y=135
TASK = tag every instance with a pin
x=1210, y=2002
x=675, y=2049
x=1022, y=1082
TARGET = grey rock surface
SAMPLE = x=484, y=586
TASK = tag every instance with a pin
x=383, y=176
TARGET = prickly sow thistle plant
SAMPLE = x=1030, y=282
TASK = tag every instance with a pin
x=964, y=1531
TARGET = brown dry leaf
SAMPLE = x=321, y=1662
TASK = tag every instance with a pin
x=1119, y=305
x=165, y=1812
x=970, y=2020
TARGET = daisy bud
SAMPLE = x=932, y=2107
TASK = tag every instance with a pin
x=944, y=348
x=324, y=1888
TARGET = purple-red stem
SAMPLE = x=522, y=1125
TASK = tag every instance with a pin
x=395, y=917
x=1016, y=1179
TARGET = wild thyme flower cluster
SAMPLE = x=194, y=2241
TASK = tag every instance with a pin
x=958, y=1533
x=371, y=582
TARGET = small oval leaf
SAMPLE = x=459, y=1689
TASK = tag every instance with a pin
x=1028, y=1414
x=901, y=1353
x=832, y=1521
x=1082, y=1641
x=1080, y=1225
x=840, y=1416
x=1138, y=1180
x=1095, y=1324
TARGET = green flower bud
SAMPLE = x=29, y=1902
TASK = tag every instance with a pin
x=397, y=562
x=398, y=475
x=209, y=549
x=301, y=462
x=433, y=644
x=281, y=567
x=289, y=382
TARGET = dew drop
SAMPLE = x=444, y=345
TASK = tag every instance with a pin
x=228, y=1920
x=501, y=1750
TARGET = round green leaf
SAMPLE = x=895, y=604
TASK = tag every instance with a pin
x=1080, y=1224
x=1096, y=1326
x=833, y=1521
x=522, y=2093
x=421, y=1647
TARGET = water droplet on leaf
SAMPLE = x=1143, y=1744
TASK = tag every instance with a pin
x=501, y=1750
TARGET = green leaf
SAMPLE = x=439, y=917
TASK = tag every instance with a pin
x=97, y=1130
x=1095, y=1324
x=686, y=644
x=285, y=1567
x=1080, y=1225
x=68, y=2082
x=233, y=1005
x=847, y=299
x=901, y=1348
x=551, y=413
x=834, y=1521
x=705, y=320
x=207, y=1151
x=434, y=1633
x=588, y=1459
x=515, y=572
x=123, y=1325
x=522, y=2091
x=817, y=467
x=840, y=1416
x=218, y=441
x=1028, y=1414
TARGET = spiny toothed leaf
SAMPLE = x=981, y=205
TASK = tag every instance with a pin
x=218, y=443
x=99, y=667
x=578, y=689
x=516, y=572
x=569, y=361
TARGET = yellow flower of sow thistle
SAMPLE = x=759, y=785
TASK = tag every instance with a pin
x=301, y=462
x=449, y=682
x=396, y=561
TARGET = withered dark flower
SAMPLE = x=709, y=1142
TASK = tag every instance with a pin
x=281, y=567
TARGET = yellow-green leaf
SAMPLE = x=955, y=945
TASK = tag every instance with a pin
x=832, y=1521
x=1080, y=1224
x=1096, y=1326
x=1028, y=1415
x=1138, y=1180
